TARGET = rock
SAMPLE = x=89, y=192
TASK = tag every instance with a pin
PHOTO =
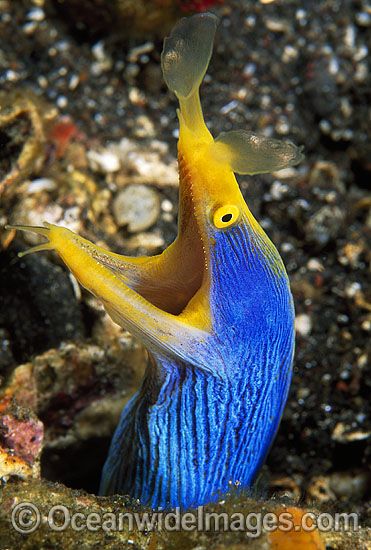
x=23, y=122
x=37, y=208
x=39, y=309
x=326, y=177
x=22, y=386
x=351, y=252
x=78, y=391
x=325, y=225
x=137, y=207
x=146, y=162
x=286, y=487
x=106, y=161
x=346, y=434
x=350, y=485
x=106, y=532
x=21, y=440
x=319, y=489
x=315, y=265
x=40, y=184
x=22, y=436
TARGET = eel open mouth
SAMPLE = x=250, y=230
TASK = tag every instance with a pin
x=167, y=281
x=170, y=280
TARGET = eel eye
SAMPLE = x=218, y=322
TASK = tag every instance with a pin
x=225, y=216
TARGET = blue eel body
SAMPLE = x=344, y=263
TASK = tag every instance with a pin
x=187, y=436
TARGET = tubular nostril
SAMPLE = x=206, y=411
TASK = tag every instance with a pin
x=44, y=231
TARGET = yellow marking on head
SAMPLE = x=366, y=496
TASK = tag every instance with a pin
x=212, y=162
x=209, y=164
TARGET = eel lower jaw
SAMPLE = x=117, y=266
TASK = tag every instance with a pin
x=170, y=287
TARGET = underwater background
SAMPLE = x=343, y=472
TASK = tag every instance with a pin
x=88, y=141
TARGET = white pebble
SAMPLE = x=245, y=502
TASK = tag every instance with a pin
x=106, y=161
x=303, y=324
x=166, y=205
x=40, y=184
x=11, y=75
x=278, y=189
x=74, y=82
x=36, y=14
x=62, y=101
x=315, y=265
x=353, y=289
x=137, y=206
x=229, y=107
